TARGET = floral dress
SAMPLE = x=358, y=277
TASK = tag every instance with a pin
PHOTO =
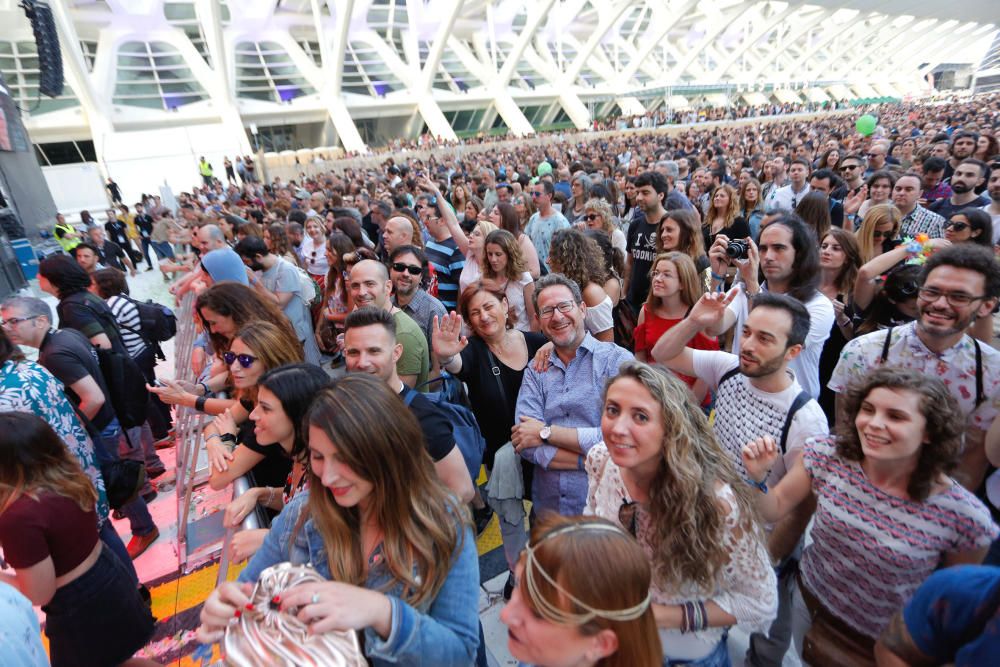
x=26, y=386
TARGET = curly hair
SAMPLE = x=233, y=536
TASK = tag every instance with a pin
x=279, y=239
x=603, y=209
x=504, y=240
x=580, y=259
x=687, y=536
x=944, y=429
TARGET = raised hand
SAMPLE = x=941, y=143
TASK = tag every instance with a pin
x=711, y=307
x=446, y=336
x=852, y=204
x=759, y=456
x=748, y=267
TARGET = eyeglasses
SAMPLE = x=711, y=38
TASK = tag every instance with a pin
x=847, y=167
x=591, y=216
x=873, y=155
x=957, y=226
x=246, y=360
x=400, y=267
x=876, y=234
x=6, y=324
x=536, y=194
x=565, y=307
x=957, y=299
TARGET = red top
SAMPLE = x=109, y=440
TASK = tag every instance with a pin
x=652, y=327
x=53, y=525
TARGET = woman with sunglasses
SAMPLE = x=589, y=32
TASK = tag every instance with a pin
x=596, y=616
x=284, y=395
x=598, y=215
x=223, y=309
x=971, y=225
x=230, y=439
x=395, y=546
x=874, y=236
x=661, y=474
x=888, y=514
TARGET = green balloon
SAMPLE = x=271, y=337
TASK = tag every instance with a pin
x=866, y=124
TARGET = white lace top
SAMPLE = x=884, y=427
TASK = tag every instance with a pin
x=747, y=588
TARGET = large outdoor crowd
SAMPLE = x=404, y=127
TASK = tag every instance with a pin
x=683, y=350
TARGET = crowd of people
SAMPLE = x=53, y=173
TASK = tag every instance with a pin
x=682, y=350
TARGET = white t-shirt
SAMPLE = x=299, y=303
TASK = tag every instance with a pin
x=744, y=412
x=806, y=365
x=996, y=223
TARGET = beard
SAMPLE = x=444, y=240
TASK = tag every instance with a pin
x=960, y=188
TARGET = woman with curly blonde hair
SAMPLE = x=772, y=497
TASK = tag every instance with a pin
x=597, y=214
x=580, y=259
x=885, y=473
x=662, y=475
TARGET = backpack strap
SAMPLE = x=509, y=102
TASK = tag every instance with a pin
x=885, y=345
x=733, y=372
x=408, y=395
x=796, y=405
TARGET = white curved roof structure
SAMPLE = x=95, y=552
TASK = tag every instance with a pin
x=362, y=68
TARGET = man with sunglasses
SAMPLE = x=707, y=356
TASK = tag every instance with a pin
x=559, y=409
x=852, y=169
x=407, y=266
x=958, y=284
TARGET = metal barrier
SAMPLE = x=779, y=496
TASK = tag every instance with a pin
x=199, y=540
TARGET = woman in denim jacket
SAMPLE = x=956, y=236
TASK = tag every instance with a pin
x=396, y=546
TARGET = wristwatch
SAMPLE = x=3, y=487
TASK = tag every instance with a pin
x=545, y=433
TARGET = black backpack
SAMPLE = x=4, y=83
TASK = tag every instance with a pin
x=122, y=376
x=158, y=324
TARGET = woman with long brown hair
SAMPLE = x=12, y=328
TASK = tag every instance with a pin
x=49, y=534
x=594, y=616
x=505, y=217
x=504, y=268
x=661, y=474
x=395, y=545
x=839, y=261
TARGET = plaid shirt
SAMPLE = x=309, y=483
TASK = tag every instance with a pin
x=922, y=221
x=939, y=191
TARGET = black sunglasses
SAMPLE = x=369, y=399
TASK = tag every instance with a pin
x=957, y=226
x=246, y=360
x=591, y=216
x=409, y=268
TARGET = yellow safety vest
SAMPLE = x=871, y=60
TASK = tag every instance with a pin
x=206, y=168
x=67, y=243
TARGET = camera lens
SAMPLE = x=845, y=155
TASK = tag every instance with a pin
x=737, y=249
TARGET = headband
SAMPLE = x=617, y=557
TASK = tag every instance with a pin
x=553, y=613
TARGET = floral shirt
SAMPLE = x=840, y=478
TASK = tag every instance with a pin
x=27, y=387
x=956, y=367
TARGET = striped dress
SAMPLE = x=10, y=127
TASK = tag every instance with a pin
x=871, y=551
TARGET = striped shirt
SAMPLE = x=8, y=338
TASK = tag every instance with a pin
x=127, y=315
x=448, y=262
x=870, y=551
x=921, y=221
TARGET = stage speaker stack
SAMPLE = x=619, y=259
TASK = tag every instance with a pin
x=50, y=77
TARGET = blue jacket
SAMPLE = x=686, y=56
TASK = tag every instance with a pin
x=442, y=632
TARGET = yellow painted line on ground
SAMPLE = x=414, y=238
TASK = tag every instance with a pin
x=188, y=591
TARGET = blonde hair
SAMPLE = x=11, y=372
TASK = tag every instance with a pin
x=689, y=520
x=692, y=286
x=731, y=211
x=876, y=215
x=421, y=521
x=603, y=209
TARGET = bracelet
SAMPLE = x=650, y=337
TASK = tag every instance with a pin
x=199, y=403
x=716, y=276
x=227, y=438
x=762, y=485
x=446, y=361
x=270, y=496
x=579, y=462
x=210, y=436
x=845, y=323
x=204, y=388
x=702, y=616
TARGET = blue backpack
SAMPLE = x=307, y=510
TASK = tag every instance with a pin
x=464, y=426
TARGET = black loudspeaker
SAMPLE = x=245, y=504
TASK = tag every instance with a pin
x=50, y=76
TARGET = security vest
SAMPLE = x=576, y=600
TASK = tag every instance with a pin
x=67, y=243
x=206, y=168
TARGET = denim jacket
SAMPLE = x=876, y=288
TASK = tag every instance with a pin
x=441, y=632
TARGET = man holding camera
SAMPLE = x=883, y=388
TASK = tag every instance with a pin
x=789, y=260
